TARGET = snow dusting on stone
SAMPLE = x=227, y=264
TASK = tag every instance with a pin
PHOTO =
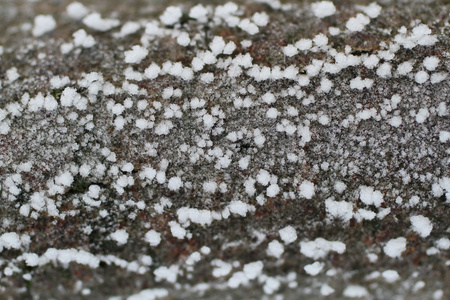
x=190, y=149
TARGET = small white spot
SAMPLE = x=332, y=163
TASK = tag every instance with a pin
x=288, y=234
x=171, y=15
x=323, y=9
x=272, y=113
x=135, y=55
x=95, y=21
x=273, y=190
x=43, y=24
x=275, y=249
x=431, y=63
x=422, y=115
x=314, y=268
x=120, y=236
x=307, y=189
x=384, y=71
x=183, y=39
x=421, y=77
x=153, y=237
x=357, y=23
x=175, y=183
x=356, y=291
x=290, y=50
x=395, y=247
x=76, y=10
x=390, y=276
x=422, y=225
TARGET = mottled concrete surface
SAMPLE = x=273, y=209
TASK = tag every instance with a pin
x=90, y=164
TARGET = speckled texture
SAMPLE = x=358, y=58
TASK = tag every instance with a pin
x=367, y=152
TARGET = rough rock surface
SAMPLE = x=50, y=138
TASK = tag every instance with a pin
x=257, y=149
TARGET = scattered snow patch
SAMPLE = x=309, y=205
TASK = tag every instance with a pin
x=135, y=55
x=95, y=21
x=323, y=9
x=307, y=189
x=171, y=15
x=422, y=225
x=275, y=249
x=395, y=247
x=43, y=24
x=76, y=10
x=320, y=247
x=314, y=268
x=120, y=236
x=288, y=234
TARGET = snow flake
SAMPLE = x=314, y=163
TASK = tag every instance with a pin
x=95, y=21
x=176, y=230
x=314, y=268
x=288, y=234
x=273, y=190
x=263, y=177
x=150, y=294
x=326, y=290
x=152, y=71
x=373, y=10
x=369, y=196
x=120, y=236
x=65, y=179
x=438, y=77
x=272, y=113
x=357, y=23
x=304, y=44
x=43, y=24
x=421, y=77
x=135, y=55
x=171, y=15
x=422, y=115
x=199, y=13
x=395, y=121
x=355, y=291
x=320, y=247
x=360, y=84
x=307, y=189
x=323, y=9
x=12, y=74
x=290, y=50
x=240, y=208
x=164, y=273
x=210, y=187
x=128, y=28
x=153, y=238
x=444, y=136
x=248, y=26
x=339, y=209
x=76, y=10
x=261, y=19
x=253, y=269
x=320, y=40
x=175, y=183
x=422, y=225
x=81, y=38
x=384, y=70
x=10, y=240
x=404, y=68
x=271, y=285
x=183, y=39
x=431, y=63
x=390, y=276
x=275, y=249
x=395, y=247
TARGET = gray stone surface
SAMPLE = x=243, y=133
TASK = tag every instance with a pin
x=74, y=177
